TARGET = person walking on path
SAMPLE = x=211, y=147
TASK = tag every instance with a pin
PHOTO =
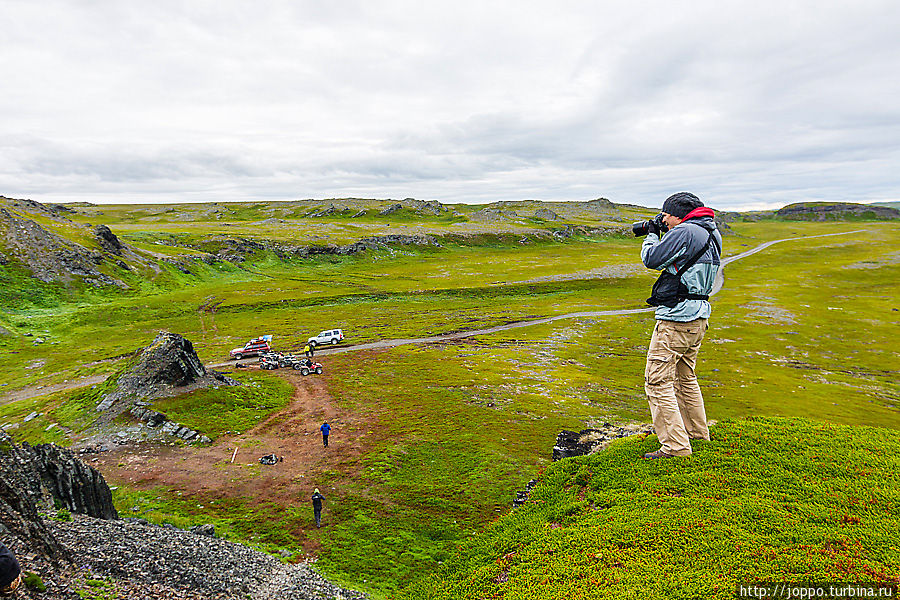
x=307, y=350
x=325, y=429
x=317, y=506
x=10, y=572
x=689, y=256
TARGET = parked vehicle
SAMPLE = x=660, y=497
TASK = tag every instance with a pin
x=307, y=366
x=268, y=363
x=329, y=336
x=254, y=347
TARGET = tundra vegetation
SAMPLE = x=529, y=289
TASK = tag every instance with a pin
x=804, y=329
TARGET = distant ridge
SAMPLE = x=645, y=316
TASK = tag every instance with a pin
x=836, y=211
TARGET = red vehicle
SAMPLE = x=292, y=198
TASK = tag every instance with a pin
x=254, y=347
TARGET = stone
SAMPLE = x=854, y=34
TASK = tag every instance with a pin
x=107, y=240
x=207, y=529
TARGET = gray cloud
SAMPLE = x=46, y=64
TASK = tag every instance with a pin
x=748, y=105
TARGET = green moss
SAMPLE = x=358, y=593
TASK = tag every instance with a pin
x=33, y=581
x=766, y=500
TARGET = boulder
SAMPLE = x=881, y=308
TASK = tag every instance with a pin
x=586, y=441
x=107, y=240
x=167, y=366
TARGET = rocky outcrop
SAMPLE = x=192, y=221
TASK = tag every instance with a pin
x=49, y=256
x=546, y=214
x=157, y=419
x=586, y=441
x=422, y=207
x=836, y=211
x=107, y=240
x=168, y=366
x=43, y=479
x=390, y=210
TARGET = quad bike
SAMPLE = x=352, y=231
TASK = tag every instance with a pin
x=306, y=366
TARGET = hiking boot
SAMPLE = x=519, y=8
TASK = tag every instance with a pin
x=658, y=454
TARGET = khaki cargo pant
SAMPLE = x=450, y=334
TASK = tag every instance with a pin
x=676, y=403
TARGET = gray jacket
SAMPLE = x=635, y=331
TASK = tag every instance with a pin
x=675, y=249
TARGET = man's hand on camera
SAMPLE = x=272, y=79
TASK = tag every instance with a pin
x=657, y=225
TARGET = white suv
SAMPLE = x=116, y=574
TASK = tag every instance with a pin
x=331, y=336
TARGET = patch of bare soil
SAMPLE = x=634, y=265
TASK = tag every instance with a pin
x=292, y=433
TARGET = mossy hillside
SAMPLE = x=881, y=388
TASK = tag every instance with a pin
x=768, y=499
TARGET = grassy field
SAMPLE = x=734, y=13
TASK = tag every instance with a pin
x=805, y=328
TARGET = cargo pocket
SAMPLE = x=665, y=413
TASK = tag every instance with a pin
x=683, y=336
x=660, y=369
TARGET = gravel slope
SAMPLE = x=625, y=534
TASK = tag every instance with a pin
x=170, y=563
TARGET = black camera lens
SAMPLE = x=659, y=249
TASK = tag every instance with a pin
x=640, y=229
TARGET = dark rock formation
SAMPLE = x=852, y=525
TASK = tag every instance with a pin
x=571, y=443
x=108, y=240
x=167, y=366
x=390, y=210
x=836, y=211
x=546, y=214
x=64, y=481
x=42, y=479
x=522, y=495
x=49, y=256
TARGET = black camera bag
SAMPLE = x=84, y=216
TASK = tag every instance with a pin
x=669, y=291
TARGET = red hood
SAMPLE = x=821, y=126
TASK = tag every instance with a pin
x=702, y=211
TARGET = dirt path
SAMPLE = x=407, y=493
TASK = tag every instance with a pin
x=39, y=390
x=292, y=432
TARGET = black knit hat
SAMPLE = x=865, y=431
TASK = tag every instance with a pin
x=680, y=204
x=9, y=567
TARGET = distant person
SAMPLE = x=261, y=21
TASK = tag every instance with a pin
x=689, y=256
x=325, y=429
x=317, y=506
x=10, y=572
x=308, y=351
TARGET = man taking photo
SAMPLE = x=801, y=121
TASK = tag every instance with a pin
x=688, y=255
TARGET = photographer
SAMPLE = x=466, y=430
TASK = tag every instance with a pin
x=688, y=255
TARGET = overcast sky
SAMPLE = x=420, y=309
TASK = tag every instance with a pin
x=748, y=104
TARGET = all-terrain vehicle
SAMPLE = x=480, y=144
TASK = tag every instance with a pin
x=268, y=363
x=306, y=366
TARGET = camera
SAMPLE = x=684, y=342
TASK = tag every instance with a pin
x=642, y=228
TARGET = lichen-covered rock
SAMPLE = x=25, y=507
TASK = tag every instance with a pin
x=108, y=240
x=586, y=441
x=546, y=214
x=169, y=365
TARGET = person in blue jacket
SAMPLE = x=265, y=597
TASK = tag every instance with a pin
x=325, y=429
